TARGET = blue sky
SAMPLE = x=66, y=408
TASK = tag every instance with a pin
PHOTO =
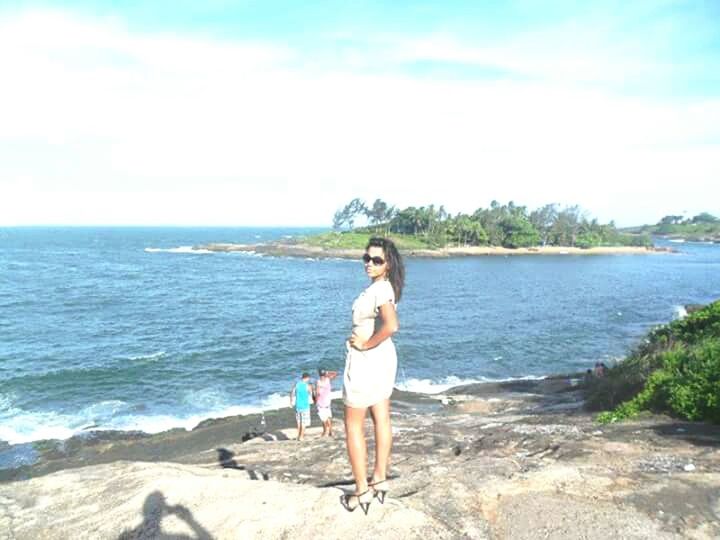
x=269, y=113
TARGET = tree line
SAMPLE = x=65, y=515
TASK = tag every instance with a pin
x=507, y=225
x=679, y=224
x=703, y=217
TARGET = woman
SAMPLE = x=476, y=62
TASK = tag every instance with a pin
x=370, y=368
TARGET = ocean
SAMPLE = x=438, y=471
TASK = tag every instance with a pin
x=130, y=329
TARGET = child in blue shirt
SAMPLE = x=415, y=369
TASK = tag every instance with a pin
x=301, y=399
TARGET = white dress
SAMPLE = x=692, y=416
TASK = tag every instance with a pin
x=369, y=375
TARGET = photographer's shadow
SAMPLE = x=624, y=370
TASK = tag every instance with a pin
x=155, y=509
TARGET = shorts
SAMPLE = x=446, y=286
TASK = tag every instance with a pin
x=303, y=418
x=325, y=413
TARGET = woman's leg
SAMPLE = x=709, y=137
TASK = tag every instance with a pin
x=383, y=438
x=356, y=447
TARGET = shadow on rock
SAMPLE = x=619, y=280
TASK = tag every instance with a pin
x=155, y=509
x=696, y=433
x=226, y=459
x=350, y=482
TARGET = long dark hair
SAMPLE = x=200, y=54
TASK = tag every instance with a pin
x=396, y=268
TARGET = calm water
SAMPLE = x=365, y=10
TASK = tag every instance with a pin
x=122, y=328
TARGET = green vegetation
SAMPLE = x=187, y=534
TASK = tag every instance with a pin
x=506, y=225
x=676, y=371
x=702, y=227
x=358, y=240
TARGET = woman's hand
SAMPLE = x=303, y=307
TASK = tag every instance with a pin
x=357, y=342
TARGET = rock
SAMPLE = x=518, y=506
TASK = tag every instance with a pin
x=522, y=518
x=518, y=465
x=144, y=500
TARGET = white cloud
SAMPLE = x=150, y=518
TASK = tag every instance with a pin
x=102, y=125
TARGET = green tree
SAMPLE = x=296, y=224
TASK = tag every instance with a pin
x=670, y=220
x=349, y=214
x=377, y=213
x=543, y=220
x=467, y=231
x=404, y=221
x=567, y=226
x=390, y=213
x=704, y=217
x=518, y=232
x=490, y=220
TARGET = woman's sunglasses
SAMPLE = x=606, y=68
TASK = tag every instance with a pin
x=377, y=261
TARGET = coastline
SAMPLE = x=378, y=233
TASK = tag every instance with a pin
x=513, y=459
x=286, y=249
x=178, y=444
x=697, y=238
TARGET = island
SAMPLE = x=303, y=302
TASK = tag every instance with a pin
x=430, y=231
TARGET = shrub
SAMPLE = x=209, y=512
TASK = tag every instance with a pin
x=676, y=370
x=692, y=385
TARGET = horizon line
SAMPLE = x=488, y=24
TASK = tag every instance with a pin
x=161, y=225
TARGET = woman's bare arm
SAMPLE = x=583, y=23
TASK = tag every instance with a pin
x=389, y=326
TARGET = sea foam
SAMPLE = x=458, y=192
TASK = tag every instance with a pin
x=152, y=356
x=19, y=427
x=429, y=386
x=182, y=249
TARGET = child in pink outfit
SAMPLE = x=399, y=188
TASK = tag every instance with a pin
x=323, y=397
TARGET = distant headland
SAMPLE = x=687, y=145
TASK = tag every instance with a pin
x=703, y=227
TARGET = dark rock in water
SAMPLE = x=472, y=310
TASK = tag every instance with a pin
x=692, y=308
x=18, y=455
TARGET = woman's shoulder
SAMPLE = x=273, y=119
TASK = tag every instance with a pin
x=382, y=288
x=380, y=285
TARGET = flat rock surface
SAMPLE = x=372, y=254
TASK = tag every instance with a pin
x=517, y=460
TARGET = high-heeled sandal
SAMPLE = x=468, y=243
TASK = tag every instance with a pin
x=362, y=500
x=380, y=489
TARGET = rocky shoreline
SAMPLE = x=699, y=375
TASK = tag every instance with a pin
x=290, y=249
x=513, y=460
x=702, y=238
